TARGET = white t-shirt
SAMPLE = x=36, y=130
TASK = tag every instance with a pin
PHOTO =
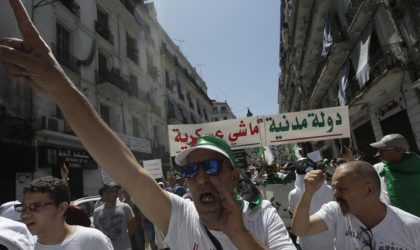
x=322, y=241
x=82, y=238
x=187, y=232
x=398, y=230
x=379, y=167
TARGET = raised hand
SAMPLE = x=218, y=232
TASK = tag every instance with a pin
x=232, y=213
x=314, y=180
x=64, y=172
x=30, y=58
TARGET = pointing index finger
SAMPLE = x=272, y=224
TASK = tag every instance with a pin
x=25, y=24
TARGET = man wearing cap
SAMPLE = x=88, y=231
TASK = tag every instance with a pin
x=211, y=172
x=115, y=219
x=401, y=171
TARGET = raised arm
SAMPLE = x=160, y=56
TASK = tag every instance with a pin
x=31, y=59
x=304, y=224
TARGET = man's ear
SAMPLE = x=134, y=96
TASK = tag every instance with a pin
x=62, y=207
x=370, y=189
x=236, y=175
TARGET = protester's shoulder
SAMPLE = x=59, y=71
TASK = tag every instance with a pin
x=181, y=205
x=330, y=207
x=90, y=233
x=98, y=209
x=123, y=205
x=405, y=217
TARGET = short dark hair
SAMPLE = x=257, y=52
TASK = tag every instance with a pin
x=57, y=189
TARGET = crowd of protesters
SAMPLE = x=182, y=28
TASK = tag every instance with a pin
x=365, y=207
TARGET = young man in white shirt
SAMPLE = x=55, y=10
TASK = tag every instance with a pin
x=358, y=218
x=31, y=59
x=43, y=211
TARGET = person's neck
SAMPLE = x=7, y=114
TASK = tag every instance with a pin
x=110, y=204
x=56, y=234
x=373, y=214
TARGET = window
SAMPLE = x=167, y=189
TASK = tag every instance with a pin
x=214, y=109
x=168, y=80
x=63, y=45
x=190, y=101
x=134, y=89
x=102, y=66
x=136, y=127
x=223, y=108
x=198, y=108
x=179, y=89
x=225, y=118
x=216, y=119
x=105, y=112
x=132, y=51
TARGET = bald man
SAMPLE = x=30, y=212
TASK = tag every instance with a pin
x=357, y=217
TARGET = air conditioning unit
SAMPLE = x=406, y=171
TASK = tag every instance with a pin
x=52, y=123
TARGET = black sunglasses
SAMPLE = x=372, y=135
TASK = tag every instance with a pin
x=211, y=167
x=367, y=238
x=33, y=207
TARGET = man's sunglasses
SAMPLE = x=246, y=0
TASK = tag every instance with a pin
x=33, y=207
x=211, y=167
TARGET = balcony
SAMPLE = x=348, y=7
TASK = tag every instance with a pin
x=103, y=30
x=153, y=71
x=137, y=93
x=133, y=53
x=156, y=109
x=65, y=58
x=72, y=6
x=112, y=77
x=352, y=10
x=150, y=40
x=130, y=5
x=380, y=61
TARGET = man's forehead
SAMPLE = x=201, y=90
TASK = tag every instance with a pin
x=29, y=196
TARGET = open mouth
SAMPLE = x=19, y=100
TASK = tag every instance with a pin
x=207, y=197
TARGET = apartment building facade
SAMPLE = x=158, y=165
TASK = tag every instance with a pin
x=112, y=52
x=363, y=54
x=221, y=111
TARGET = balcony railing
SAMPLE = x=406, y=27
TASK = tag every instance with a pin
x=156, y=109
x=72, y=6
x=352, y=10
x=383, y=60
x=150, y=40
x=380, y=61
x=133, y=53
x=102, y=29
x=114, y=78
x=65, y=58
x=153, y=71
x=131, y=4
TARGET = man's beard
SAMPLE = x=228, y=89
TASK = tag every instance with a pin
x=344, y=206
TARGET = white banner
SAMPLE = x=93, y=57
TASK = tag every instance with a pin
x=238, y=133
x=310, y=125
x=251, y=132
x=154, y=167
